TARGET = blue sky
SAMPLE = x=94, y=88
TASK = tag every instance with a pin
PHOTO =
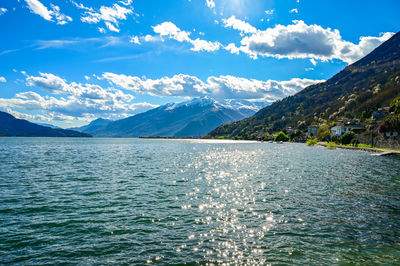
x=68, y=62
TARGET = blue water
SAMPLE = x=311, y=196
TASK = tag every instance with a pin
x=136, y=201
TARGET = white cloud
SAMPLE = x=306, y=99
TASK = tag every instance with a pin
x=270, y=12
x=38, y=8
x=239, y=25
x=203, y=45
x=81, y=6
x=100, y=42
x=3, y=79
x=299, y=40
x=126, y=3
x=294, y=10
x=171, y=31
x=210, y=4
x=56, y=85
x=313, y=62
x=61, y=18
x=75, y=100
x=111, y=26
x=232, y=48
x=135, y=40
x=150, y=38
x=3, y=11
x=222, y=87
x=110, y=15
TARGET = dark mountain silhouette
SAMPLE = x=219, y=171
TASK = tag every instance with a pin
x=11, y=126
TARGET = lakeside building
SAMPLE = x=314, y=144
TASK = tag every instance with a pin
x=344, y=126
x=312, y=131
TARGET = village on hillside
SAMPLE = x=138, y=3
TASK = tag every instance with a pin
x=381, y=130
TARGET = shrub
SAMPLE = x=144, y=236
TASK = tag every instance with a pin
x=265, y=136
x=312, y=141
x=331, y=145
x=281, y=137
x=347, y=138
x=335, y=139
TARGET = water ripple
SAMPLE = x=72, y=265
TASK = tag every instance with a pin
x=128, y=201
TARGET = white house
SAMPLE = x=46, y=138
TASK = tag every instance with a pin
x=339, y=130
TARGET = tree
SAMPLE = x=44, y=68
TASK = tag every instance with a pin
x=281, y=137
x=323, y=132
x=347, y=138
x=265, y=136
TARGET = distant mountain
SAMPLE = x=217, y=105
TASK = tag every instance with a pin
x=11, y=126
x=92, y=126
x=192, y=118
x=355, y=92
x=48, y=125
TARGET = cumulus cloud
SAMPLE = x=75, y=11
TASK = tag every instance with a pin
x=299, y=40
x=38, y=8
x=3, y=79
x=239, y=25
x=203, y=45
x=170, y=31
x=3, y=11
x=56, y=85
x=294, y=10
x=232, y=48
x=75, y=100
x=63, y=100
x=109, y=15
x=135, y=40
x=222, y=87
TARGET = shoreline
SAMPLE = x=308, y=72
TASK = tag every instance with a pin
x=377, y=151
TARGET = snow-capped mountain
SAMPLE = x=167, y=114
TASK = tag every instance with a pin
x=193, y=118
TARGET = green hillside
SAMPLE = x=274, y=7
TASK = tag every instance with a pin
x=355, y=92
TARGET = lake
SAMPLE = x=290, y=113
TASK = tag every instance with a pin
x=138, y=201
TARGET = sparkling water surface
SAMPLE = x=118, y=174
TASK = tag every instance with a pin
x=138, y=201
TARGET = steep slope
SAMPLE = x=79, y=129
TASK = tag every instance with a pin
x=11, y=126
x=48, y=125
x=193, y=118
x=356, y=91
x=92, y=126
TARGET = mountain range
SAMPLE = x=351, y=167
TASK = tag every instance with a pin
x=193, y=118
x=355, y=92
x=11, y=126
x=92, y=126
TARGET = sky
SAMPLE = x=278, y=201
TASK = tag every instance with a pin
x=67, y=62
